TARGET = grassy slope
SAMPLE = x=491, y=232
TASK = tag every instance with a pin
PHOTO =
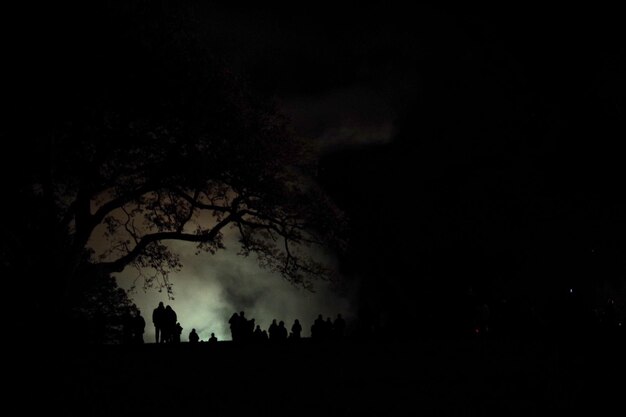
x=427, y=378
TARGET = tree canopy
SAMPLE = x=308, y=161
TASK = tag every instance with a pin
x=132, y=132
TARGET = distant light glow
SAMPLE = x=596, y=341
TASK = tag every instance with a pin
x=209, y=289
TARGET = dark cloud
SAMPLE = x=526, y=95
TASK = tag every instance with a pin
x=501, y=170
x=347, y=117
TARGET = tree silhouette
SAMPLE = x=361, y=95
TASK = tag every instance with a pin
x=100, y=312
x=143, y=135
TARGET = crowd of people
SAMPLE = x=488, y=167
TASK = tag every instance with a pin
x=167, y=329
x=479, y=318
x=246, y=330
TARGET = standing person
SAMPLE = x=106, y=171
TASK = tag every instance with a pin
x=317, y=329
x=296, y=329
x=178, y=330
x=139, y=326
x=257, y=336
x=242, y=326
x=273, y=331
x=158, y=316
x=169, y=325
x=339, y=327
x=281, y=332
x=234, y=326
x=193, y=336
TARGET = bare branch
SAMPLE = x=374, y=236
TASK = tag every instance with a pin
x=132, y=231
x=119, y=264
x=197, y=204
x=118, y=202
x=189, y=215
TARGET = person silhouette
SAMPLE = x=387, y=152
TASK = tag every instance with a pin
x=158, y=316
x=169, y=325
x=317, y=329
x=296, y=329
x=328, y=329
x=242, y=325
x=257, y=336
x=178, y=330
x=193, y=336
x=235, y=326
x=139, y=326
x=339, y=327
x=212, y=339
x=273, y=331
x=281, y=332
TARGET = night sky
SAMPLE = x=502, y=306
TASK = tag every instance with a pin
x=475, y=156
x=472, y=150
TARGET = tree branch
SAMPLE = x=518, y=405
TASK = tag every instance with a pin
x=118, y=202
x=189, y=215
x=197, y=204
x=119, y=264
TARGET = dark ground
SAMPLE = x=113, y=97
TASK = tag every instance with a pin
x=442, y=377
